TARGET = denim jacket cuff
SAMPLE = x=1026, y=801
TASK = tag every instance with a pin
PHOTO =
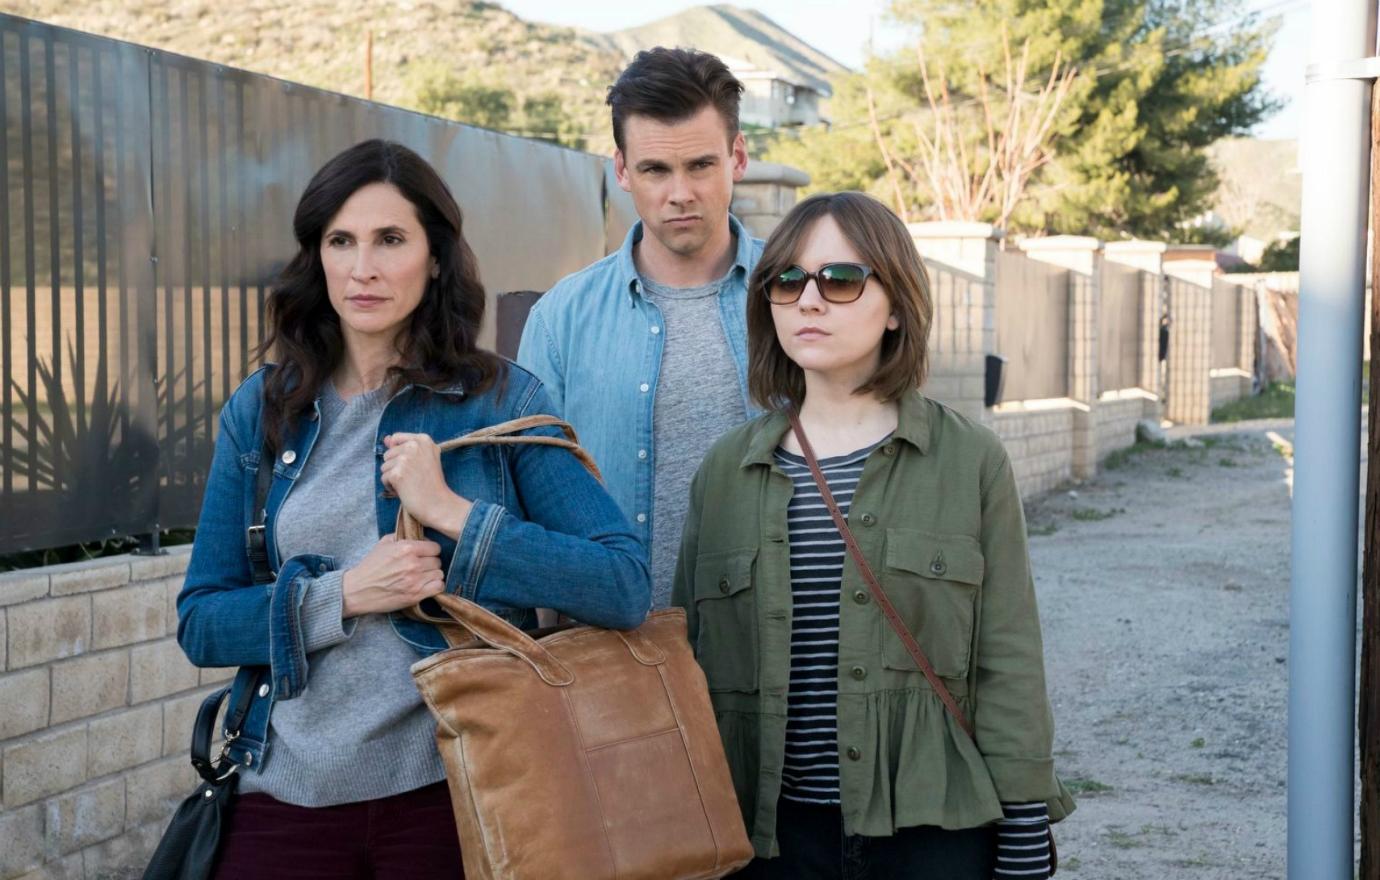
x=286, y=638
x=472, y=551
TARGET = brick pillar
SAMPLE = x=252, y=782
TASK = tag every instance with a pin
x=1147, y=256
x=1082, y=256
x=765, y=194
x=1188, y=373
x=962, y=262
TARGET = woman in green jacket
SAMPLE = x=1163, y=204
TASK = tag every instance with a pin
x=846, y=761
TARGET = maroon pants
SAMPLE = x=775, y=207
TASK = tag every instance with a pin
x=409, y=835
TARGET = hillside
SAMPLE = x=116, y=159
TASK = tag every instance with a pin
x=441, y=56
x=731, y=33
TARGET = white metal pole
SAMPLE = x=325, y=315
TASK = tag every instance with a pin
x=1335, y=151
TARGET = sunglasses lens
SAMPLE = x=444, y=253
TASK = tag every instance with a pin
x=787, y=285
x=842, y=281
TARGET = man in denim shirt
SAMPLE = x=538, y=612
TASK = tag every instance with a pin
x=644, y=352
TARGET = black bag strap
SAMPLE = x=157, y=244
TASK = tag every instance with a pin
x=205, y=728
x=256, y=536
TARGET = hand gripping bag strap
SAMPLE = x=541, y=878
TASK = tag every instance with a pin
x=503, y=434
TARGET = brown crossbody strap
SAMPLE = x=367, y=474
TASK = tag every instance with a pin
x=878, y=595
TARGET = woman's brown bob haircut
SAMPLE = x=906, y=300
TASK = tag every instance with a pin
x=884, y=244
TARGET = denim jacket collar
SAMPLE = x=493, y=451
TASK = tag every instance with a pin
x=743, y=255
x=912, y=426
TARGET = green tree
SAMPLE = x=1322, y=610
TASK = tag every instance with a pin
x=437, y=90
x=545, y=117
x=1159, y=81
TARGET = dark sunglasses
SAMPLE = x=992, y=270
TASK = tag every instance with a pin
x=837, y=283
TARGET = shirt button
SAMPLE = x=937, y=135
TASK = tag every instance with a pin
x=642, y=454
x=888, y=449
x=642, y=517
x=263, y=690
x=868, y=519
x=861, y=597
x=655, y=330
x=859, y=673
x=644, y=388
x=289, y=457
x=854, y=753
x=938, y=567
x=724, y=585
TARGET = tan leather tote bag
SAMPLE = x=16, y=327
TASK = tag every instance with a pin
x=582, y=753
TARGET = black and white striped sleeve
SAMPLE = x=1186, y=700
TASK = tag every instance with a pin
x=1023, y=842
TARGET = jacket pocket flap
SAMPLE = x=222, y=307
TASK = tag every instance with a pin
x=719, y=575
x=943, y=557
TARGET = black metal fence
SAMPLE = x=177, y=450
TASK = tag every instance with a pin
x=145, y=204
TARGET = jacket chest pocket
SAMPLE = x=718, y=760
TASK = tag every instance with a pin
x=726, y=642
x=933, y=581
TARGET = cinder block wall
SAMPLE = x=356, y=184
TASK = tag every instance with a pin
x=1040, y=443
x=96, y=707
x=1116, y=423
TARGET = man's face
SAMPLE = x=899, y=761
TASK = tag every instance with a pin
x=681, y=177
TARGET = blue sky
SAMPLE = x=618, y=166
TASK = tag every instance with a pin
x=844, y=28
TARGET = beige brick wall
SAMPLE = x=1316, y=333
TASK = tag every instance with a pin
x=1228, y=385
x=1040, y=443
x=1116, y=423
x=98, y=703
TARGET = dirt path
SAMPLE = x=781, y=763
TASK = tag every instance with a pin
x=1163, y=592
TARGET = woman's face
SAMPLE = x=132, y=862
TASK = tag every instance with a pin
x=842, y=341
x=377, y=262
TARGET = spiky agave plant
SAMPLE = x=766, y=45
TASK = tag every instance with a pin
x=99, y=452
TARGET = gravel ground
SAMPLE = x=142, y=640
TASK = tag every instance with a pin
x=1163, y=590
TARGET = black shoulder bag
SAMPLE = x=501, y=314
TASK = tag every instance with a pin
x=190, y=843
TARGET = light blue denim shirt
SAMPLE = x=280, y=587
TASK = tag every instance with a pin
x=595, y=342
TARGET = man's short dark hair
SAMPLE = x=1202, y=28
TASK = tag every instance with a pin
x=672, y=85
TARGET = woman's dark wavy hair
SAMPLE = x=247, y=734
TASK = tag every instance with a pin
x=438, y=347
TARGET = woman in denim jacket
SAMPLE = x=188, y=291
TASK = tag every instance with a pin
x=373, y=327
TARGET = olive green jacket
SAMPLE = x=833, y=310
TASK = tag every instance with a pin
x=937, y=515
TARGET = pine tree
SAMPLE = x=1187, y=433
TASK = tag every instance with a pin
x=1159, y=81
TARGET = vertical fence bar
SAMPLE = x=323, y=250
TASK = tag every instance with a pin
x=6, y=317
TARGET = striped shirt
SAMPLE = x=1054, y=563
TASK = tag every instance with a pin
x=810, y=773
x=1023, y=842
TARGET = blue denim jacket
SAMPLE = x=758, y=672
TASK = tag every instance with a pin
x=542, y=533
x=595, y=342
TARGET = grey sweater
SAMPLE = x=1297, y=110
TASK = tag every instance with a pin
x=360, y=729
x=697, y=400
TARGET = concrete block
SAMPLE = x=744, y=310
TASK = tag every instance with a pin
x=126, y=739
x=158, y=669
x=48, y=629
x=25, y=698
x=84, y=817
x=124, y=856
x=173, y=587
x=179, y=714
x=218, y=674
x=135, y=613
x=22, y=586
x=44, y=765
x=89, y=685
x=170, y=564
x=70, y=868
x=153, y=791
x=89, y=576
x=21, y=832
